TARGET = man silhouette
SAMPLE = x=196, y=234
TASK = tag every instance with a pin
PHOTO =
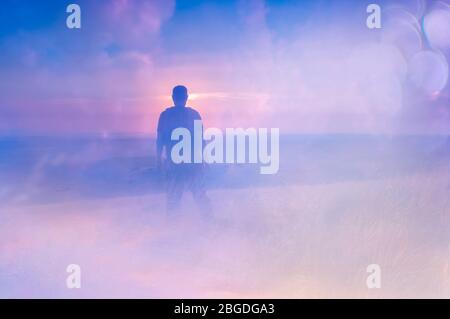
x=179, y=176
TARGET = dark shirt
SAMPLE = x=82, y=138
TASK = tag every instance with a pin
x=172, y=118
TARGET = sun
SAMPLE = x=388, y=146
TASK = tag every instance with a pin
x=194, y=96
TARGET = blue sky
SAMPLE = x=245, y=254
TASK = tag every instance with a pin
x=246, y=63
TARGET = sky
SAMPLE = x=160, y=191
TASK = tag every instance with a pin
x=302, y=66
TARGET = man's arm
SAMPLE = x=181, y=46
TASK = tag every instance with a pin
x=198, y=117
x=159, y=142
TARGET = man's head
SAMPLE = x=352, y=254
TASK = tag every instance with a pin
x=180, y=95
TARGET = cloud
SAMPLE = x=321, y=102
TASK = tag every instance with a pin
x=247, y=63
x=104, y=60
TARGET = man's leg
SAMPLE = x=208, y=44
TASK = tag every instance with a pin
x=175, y=188
x=202, y=200
x=198, y=189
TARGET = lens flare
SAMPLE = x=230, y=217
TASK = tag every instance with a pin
x=436, y=27
x=428, y=70
x=402, y=29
